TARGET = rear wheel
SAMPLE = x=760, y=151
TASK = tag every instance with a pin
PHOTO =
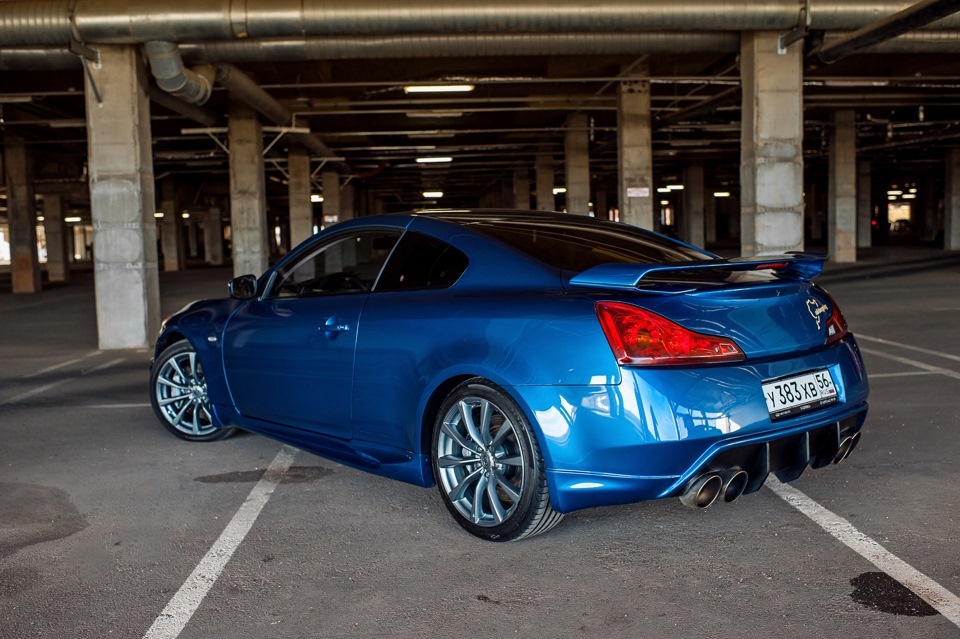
x=178, y=394
x=488, y=465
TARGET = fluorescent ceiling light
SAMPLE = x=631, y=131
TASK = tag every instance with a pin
x=185, y=215
x=433, y=194
x=158, y=214
x=675, y=187
x=891, y=197
x=40, y=218
x=895, y=192
x=71, y=219
x=913, y=190
x=722, y=194
x=663, y=189
x=664, y=202
x=435, y=160
x=434, y=113
x=438, y=88
x=909, y=196
x=557, y=190
x=316, y=198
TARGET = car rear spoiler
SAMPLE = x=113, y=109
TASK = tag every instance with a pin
x=791, y=266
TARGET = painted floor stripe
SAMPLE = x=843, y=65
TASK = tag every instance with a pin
x=106, y=365
x=174, y=618
x=102, y=406
x=35, y=391
x=874, y=376
x=944, y=601
x=50, y=369
x=880, y=340
x=913, y=362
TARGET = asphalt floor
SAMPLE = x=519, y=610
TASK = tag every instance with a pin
x=104, y=515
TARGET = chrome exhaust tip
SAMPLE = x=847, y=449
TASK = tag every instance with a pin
x=703, y=491
x=734, y=483
x=844, y=449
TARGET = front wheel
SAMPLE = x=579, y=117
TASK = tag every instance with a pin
x=178, y=394
x=488, y=465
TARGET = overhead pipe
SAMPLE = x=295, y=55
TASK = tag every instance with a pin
x=193, y=86
x=709, y=105
x=54, y=22
x=195, y=113
x=914, y=17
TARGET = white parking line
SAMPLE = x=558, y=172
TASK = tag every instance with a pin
x=944, y=601
x=880, y=340
x=101, y=406
x=55, y=367
x=173, y=619
x=874, y=376
x=912, y=362
x=59, y=382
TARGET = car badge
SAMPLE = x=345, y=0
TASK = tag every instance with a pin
x=816, y=309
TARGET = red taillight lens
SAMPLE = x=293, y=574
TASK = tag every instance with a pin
x=836, y=325
x=638, y=336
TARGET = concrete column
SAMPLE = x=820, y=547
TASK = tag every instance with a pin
x=347, y=202
x=301, y=209
x=55, y=229
x=521, y=189
x=544, y=169
x=22, y=216
x=248, y=204
x=864, y=204
x=192, y=224
x=601, y=210
x=170, y=227
x=122, y=200
x=635, y=151
x=378, y=206
x=213, y=236
x=951, y=213
x=710, y=218
x=930, y=220
x=842, y=212
x=771, y=160
x=576, y=147
x=692, y=215
x=330, y=181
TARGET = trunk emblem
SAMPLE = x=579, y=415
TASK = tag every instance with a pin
x=816, y=309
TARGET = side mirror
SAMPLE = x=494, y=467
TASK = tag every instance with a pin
x=243, y=287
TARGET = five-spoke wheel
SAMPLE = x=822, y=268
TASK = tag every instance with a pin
x=179, y=395
x=488, y=465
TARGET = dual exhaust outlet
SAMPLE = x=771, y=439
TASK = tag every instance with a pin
x=729, y=484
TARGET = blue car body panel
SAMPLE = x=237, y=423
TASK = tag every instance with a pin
x=367, y=395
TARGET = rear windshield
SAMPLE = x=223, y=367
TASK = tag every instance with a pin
x=578, y=246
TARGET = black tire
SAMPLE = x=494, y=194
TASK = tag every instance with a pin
x=488, y=466
x=178, y=394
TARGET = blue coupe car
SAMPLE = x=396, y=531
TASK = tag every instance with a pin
x=527, y=364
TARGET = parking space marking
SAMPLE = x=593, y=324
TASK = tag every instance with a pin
x=912, y=362
x=50, y=369
x=880, y=340
x=174, y=618
x=59, y=382
x=874, y=376
x=944, y=601
x=101, y=406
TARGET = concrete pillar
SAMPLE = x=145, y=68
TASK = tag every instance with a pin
x=22, y=216
x=248, y=204
x=213, y=236
x=347, y=202
x=576, y=147
x=601, y=211
x=122, y=200
x=170, y=227
x=301, y=209
x=635, y=150
x=864, y=204
x=930, y=220
x=521, y=189
x=55, y=230
x=378, y=206
x=692, y=216
x=951, y=213
x=842, y=220
x=544, y=169
x=192, y=224
x=330, y=181
x=709, y=218
x=771, y=160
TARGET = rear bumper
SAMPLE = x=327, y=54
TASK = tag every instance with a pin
x=648, y=436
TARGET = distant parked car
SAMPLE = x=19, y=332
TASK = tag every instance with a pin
x=528, y=364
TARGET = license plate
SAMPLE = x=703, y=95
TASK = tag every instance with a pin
x=799, y=393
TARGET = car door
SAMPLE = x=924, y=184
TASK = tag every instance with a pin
x=289, y=356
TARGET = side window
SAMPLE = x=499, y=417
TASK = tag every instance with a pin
x=422, y=262
x=348, y=265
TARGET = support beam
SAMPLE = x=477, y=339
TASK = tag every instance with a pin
x=55, y=230
x=213, y=236
x=693, y=214
x=248, y=205
x=22, y=216
x=521, y=189
x=864, y=204
x=635, y=150
x=576, y=148
x=301, y=209
x=842, y=212
x=771, y=161
x=122, y=200
x=170, y=227
x=709, y=219
x=544, y=169
x=951, y=213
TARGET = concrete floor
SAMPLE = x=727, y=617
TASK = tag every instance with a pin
x=103, y=515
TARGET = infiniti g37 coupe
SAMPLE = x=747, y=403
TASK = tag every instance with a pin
x=527, y=364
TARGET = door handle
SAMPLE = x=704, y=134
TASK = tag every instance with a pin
x=334, y=326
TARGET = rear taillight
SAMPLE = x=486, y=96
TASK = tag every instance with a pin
x=638, y=336
x=836, y=325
